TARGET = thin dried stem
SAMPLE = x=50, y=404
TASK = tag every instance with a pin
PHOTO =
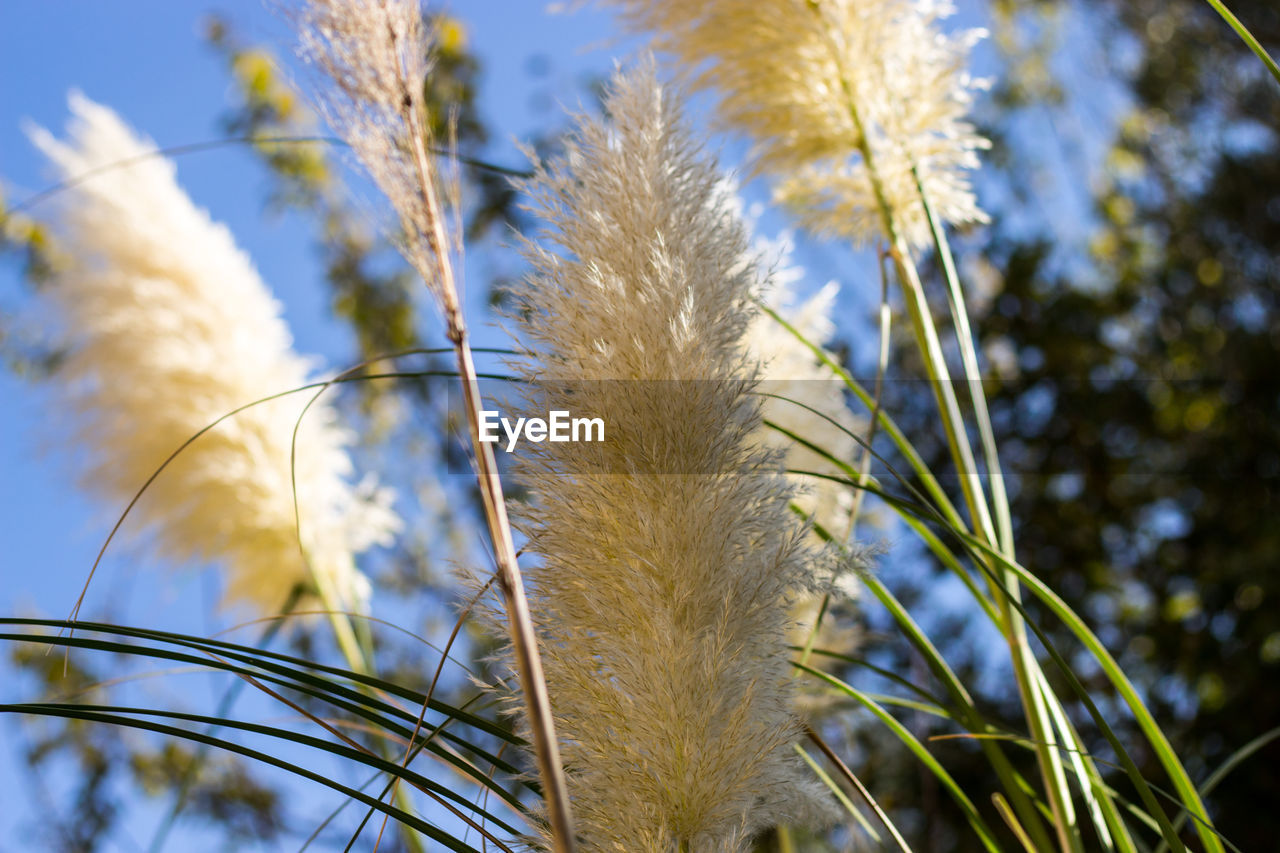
x=375, y=53
x=853, y=780
x=524, y=642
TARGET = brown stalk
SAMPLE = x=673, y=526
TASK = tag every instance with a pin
x=524, y=641
x=853, y=780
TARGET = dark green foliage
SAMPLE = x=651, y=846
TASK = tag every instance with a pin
x=1142, y=424
x=109, y=769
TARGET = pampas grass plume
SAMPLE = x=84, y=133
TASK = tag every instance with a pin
x=166, y=328
x=810, y=81
x=374, y=55
x=664, y=556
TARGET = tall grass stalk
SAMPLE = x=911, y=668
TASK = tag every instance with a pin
x=376, y=56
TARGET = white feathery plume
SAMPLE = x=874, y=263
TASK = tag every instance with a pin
x=167, y=327
x=807, y=396
x=665, y=555
x=376, y=54
x=811, y=81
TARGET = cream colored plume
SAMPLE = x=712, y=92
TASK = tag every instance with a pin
x=663, y=558
x=375, y=55
x=803, y=395
x=810, y=80
x=167, y=328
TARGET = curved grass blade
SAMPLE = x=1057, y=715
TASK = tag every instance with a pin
x=321, y=385
x=382, y=715
x=1115, y=674
x=75, y=712
x=878, y=670
x=856, y=783
x=891, y=428
x=1247, y=37
x=1102, y=811
x=973, y=545
x=361, y=755
x=859, y=481
x=1224, y=769
x=1019, y=791
x=838, y=793
x=289, y=665
x=380, y=723
x=1006, y=814
x=1169, y=760
x=212, y=144
x=976, y=822
x=224, y=707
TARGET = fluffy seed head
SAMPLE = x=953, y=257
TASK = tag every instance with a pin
x=804, y=396
x=664, y=556
x=375, y=55
x=166, y=328
x=809, y=80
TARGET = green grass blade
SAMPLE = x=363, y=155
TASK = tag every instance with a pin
x=838, y=792
x=965, y=711
x=1225, y=768
x=179, y=800
x=1115, y=674
x=1247, y=37
x=980, y=827
x=1011, y=821
x=380, y=714
x=77, y=713
x=839, y=764
x=891, y=428
x=973, y=375
x=1172, y=765
x=977, y=548
x=368, y=758
x=288, y=664
x=1039, y=704
x=857, y=481
x=1096, y=799
x=878, y=670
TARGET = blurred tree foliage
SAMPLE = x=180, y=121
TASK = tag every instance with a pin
x=28, y=240
x=1134, y=385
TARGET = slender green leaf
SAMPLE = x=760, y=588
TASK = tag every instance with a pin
x=1247, y=37
x=985, y=835
x=838, y=793
x=77, y=713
